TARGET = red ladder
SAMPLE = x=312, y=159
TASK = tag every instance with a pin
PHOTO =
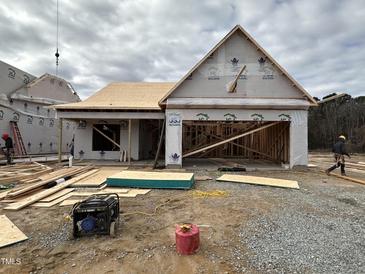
x=18, y=140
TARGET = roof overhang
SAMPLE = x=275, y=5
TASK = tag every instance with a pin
x=237, y=103
x=113, y=115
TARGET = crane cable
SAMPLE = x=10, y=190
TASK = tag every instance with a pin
x=57, y=34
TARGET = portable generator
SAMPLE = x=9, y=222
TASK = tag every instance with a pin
x=98, y=214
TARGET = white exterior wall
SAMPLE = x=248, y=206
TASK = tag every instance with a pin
x=83, y=141
x=36, y=126
x=175, y=117
x=210, y=79
x=299, y=139
x=12, y=78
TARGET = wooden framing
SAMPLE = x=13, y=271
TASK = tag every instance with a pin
x=129, y=141
x=246, y=139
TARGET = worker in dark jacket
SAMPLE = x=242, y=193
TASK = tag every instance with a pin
x=339, y=151
x=8, y=149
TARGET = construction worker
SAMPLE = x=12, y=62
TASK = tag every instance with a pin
x=8, y=149
x=339, y=151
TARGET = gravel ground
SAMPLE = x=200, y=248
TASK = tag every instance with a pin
x=254, y=229
x=307, y=233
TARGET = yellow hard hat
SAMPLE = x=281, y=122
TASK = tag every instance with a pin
x=342, y=137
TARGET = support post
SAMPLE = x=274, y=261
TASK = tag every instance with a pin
x=129, y=141
x=60, y=140
x=162, y=134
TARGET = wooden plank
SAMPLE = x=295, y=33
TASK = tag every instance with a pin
x=230, y=139
x=131, y=194
x=44, y=182
x=20, y=176
x=54, y=202
x=348, y=178
x=5, y=193
x=49, y=175
x=129, y=141
x=71, y=202
x=56, y=195
x=10, y=233
x=28, y=201
x=102, y=191
x=203, y=178
x=259, y=181
x=98, y=178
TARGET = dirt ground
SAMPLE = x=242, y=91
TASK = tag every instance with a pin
x=146, y=244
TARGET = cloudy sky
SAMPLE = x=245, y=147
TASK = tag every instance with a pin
x=320, y=42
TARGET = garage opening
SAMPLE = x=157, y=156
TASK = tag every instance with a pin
x=237, y=139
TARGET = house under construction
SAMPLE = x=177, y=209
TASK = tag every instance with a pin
x=25, y=113
x=237, y=102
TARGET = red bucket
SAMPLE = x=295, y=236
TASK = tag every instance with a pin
x=187, y=239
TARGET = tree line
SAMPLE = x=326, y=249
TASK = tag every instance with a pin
x=340, y=116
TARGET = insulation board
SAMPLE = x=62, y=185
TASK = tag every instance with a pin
x=259, y=181
x=145, y=179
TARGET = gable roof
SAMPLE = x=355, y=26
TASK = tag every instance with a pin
x=25, y=92
x=125, y=95
x=250, y=38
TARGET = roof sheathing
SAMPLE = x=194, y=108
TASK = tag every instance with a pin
x=252, y=40
x=123, y=96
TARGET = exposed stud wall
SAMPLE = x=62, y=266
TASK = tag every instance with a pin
x=295, y=149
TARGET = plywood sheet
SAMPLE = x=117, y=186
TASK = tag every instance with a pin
x=10, y=233
x=143, y=175
x=131, y=194
x=54, y=202
x=259, y=181
x=138, y=95
x=98, y=178
x=57, y=195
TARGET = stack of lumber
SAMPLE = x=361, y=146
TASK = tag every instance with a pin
x=75, y=184
x=22, y=172
x=23, y=196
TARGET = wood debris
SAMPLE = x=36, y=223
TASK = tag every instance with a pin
x=22, y=172
x=52, y=188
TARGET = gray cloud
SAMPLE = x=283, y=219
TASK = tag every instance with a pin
x=320, y=42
